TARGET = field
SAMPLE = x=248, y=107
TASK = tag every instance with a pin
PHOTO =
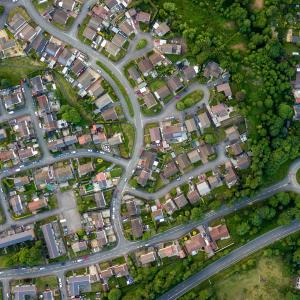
x=266, y=281
x=23, y=67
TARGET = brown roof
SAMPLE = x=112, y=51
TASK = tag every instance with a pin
x=36, y=205
x=60, y=16
x=149, y=100
x=194, y=156
x=89, y=33
x=132, y=208
x=147, y=258
x=180, y=201
x=194, y=244
x=189, y=73
x=225, y=88
x=236, y=148
x=143, y=17
x=156, y=58
x=136, y=227
x=183, y=161
x=143, y=177
x=170, y=206
x=118, y=40
x=243, y=161
x=193, y=196
x=170, y=169
x=163, y=92
x=220, y=110
x=169, y=251
x=85, y=168
x=155, y=134
x=174, y=83
x=109, y=114
x=126, y=28
x=232, y=134
x=204, y=120
x=145, y=65
x=218, y=232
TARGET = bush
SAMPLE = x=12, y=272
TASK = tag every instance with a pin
x=189, y=100
x=141, y=44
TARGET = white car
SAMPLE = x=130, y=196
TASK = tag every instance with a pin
x=73, y=152
x=90, y=150
x=11, y=112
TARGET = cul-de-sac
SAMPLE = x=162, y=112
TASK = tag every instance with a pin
x=150, y=149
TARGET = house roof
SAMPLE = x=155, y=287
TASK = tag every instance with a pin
x=183, y=161
x=103, y=101
x=145, y=65
x=63, y=174
x=112, y=48
x=116, y=139
x=89, y=33
x=180, y=201
x=155, y=134
x=88, y=77
x=161, y=28
x=143, y=177
x=163, y=92
x=212, y=69
x=132, y=208
x=143, y=17
x=193, y=196
x=20, y=237
x=204, y=120
x=232, y=134
x=126, y=28
x=225, y=88
x=220, y=110
x=109, y=114
x=134, y=73
x=169, y=251
x=60, y=16
x=96, y=89
x=147, y=258
x=170, y=169
x=194, y=156
x=84, y=139
x=170, y=206
x=189, y=73
x=156, y=58
x=79, y=284
x=195, y=243
x=86, y=168
x=77, y=66
x=34, y=206
x=149, y=100
x=23, y=292
x=243, y=161
x=136, y=227
x=190, y=125
x=174, y=83
x=118, y=40
x=79, y=246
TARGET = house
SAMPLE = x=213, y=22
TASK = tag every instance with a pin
x=204, y=121
x=132, y=208
x=147, y=258
x=230, y=176
x=149, y=100
x=20, y=181
x=143, y=177
x=48, y=295
x=162, y=93
x=180, y=201
x=84, y=139
x=170, y=207
x=17, y=238
x=225, y=88
x=96, y=89
x=26, y=153
x=170, y=251
x=183, y=161
x=156, y=59
x=203, y=188
x=219, y=232
x=95, y=23
x=79, y=284
x=145, y=66
x=120, y=270
x=17, y=205
x=134, y=74
x=53, y=239
x=68, y=5
x=112, y=49
x=70, y=140
x=212, y=69
x=56, y=144
x=43, y=176
x=37, y=204
x=89, y=33
x=38, y=44
x=101, y=12
x=166, y=48
x=220, y=113
x=63, y=174
x=147, y=160
x=109, y=114
x=50, y=122
x=214, y=181
x=189, y=73
x=77, y=67
x=60, y=16
x=16, y=23
x=174, y=133
x=232, y=134
x=143, y=17
x=155, y=135
x=103, y=181
x=194, y=156
x=205, y=151
x=194, y=244
x=87, y=78
x=190, y=125
x=136, y=227
x=79, y=246
x=174, y=83
x=236, y=149
x=116, y=139
x=243, y=161
x=119, y=40
x=193, y=196
x=13, y=99
x=157, y=214
x=27, y=33
x=23, y=292
x=126, y=28
x=84, y=169
x=170, y=169
x=161, y=29
x=43, y=103
x=111, y=4
x=37, y=87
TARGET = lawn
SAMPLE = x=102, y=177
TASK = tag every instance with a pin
x=141, y=44
x=266, y=281
x=189, y=100
x=23, y=67
x=42, y=7
x=129, y=137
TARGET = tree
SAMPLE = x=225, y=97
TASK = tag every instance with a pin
x=70, y=114
x=285, y=111
x=1, y=10
x=196, y=213
x=242, y=228
x=114, y=294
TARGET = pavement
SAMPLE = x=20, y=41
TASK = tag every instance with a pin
x=138, y=120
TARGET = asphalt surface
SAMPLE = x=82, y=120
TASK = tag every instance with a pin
x=230, y=259
x=123, y=246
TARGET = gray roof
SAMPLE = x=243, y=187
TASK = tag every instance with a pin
x=17, y=238
x=79, y=284
x=25, y=292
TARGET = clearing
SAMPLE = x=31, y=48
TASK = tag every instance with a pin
x=266, y=281
x=258, y=4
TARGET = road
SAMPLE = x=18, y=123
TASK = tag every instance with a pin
x=230, y=259
x=123, y=246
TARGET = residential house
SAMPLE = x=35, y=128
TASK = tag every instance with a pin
x=162, y=93
x=161, y=29
x=103, y=101
x=23, y=292
x=143, y=17
x=37, y=86
x=63, y=174
x=17, y=238
x=145, y=66
x=204, y=121
x=37, y=204
x=180, y=201
x=170, y=207
x=7, y=155
x=136, y=227
x=17, y=205
x=60, y=16
x=89, y=33
x=143, y=177
x=119, y=40
x=189, y=73
x=84, y=169
x=79, y=246
x=96, y=89
x=194, y=156
x=134, y=74
x=116, y=139
x=166, y=48
x=193, y=196
x=156, y=59
x=170, y=169
x=190, y=125
x=174, y=133
x=212, y=69
x=109, y=114
x=174, y=83
x=79, y=284
x=112, y=49
x=149, y=100
x=183, y=161
x=126, y=28
x=203, y=188
x=225, y=88
x=155, y=135
x=87, y=78
x=147, y=258
x=232, y=134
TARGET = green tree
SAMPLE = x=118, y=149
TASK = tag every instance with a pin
x=242, y=228
x=114, y=294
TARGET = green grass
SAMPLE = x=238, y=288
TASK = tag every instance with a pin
x=43, y=6
x=141, y=44
x=120, y=86
x=23, y=67
x=189, y=100
x=42, y=283
x=129, y=137
x=69, y=95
